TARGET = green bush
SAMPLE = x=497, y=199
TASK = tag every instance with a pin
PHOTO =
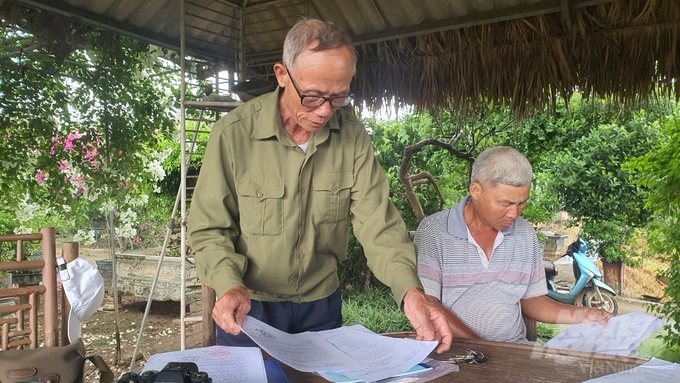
x=545, y=332
x=151, y=230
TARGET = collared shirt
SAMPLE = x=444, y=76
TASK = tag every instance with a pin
x=484, y=298
x=271, y=217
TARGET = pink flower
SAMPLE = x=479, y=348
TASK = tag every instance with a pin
x=68, y=145
x=40, y=176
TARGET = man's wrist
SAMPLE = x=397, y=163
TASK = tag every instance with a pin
x=410, y=291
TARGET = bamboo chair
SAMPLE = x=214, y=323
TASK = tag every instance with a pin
x=21, y=306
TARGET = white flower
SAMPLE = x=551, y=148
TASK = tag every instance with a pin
x=25, y=211
x=86, y=237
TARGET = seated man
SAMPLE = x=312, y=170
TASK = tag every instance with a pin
x=483, y=262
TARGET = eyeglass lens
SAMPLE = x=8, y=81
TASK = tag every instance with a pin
x=316, y=101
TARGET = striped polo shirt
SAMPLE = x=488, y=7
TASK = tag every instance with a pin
x=486, y=298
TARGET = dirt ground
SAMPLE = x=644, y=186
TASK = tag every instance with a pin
x=162, y=329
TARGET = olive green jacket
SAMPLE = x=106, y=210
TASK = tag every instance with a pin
x=270, y=217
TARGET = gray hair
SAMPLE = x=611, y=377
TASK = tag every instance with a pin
x=501, y=165
x=327, y=35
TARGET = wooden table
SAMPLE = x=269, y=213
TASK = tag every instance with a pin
x=510, y=362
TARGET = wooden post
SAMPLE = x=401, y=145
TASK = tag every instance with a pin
x=69, y=251
x=208, y=297
x=49, y=278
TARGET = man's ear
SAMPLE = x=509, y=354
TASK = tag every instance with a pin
x=475, y=190
x=281, y=73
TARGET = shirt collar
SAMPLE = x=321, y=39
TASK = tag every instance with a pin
x=270, y=124
x=456, y=225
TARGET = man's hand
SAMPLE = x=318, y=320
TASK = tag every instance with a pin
x=427, y=319
x=600, y=316
x=231, y=309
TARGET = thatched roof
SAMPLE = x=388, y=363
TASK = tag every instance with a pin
x=626, y=50
x=451, y=54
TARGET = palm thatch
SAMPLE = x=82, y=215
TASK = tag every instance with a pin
x=626, y=49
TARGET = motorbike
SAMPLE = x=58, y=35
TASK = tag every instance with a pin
x=589, y=289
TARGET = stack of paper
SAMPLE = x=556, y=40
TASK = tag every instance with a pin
x=223, y=364
x=346, y=354
x=621, y=336
x=654, y=371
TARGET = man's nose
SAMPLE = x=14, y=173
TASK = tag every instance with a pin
x=324, y=109
x=514, y=211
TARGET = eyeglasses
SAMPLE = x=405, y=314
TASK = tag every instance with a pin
x=314, y=101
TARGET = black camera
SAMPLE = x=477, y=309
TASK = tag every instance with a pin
x=173, y=372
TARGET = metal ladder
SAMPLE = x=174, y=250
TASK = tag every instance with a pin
x=196, y=133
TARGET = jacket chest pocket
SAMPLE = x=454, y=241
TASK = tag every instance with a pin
x=332, y=190
x=260, y=206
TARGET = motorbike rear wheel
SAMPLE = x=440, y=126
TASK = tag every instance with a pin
x=608, y=301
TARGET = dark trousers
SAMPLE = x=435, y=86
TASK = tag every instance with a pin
x=293, y=318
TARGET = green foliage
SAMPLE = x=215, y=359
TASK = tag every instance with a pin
x=80, y=133
x=545, y=332
x=595, y=188
x=543, y=204
x=375, y=309
x=542, y=238
x=153, y=227
x=392, y=137
x=654, y=347
x=659, y=172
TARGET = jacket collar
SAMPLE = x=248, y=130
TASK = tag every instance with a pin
x=270, y=124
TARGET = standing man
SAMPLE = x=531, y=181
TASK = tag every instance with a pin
x=483, y=262
x=282, y=176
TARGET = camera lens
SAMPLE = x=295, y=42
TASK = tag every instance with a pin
x=148, y=376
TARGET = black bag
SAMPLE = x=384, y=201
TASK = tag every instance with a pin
x=50, y=364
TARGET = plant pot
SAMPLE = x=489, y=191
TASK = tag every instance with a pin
x=554, y=244
x=135, y=274
x=105, y=267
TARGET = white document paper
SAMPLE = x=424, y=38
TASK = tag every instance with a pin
x=223, y=364
x=654, y=371
x=384, y=356
x=308, y=351
x=354, y=350
x=621, y=336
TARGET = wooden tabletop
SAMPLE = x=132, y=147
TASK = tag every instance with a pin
x=510, y=362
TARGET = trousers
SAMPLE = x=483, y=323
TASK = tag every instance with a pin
x=290, y=317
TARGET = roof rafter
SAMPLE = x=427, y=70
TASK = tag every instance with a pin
x=98, y=21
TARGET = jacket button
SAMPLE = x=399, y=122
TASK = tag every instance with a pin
x=259, y=194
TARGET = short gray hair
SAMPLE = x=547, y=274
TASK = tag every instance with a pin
x=306, y=31
x=501, y=165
